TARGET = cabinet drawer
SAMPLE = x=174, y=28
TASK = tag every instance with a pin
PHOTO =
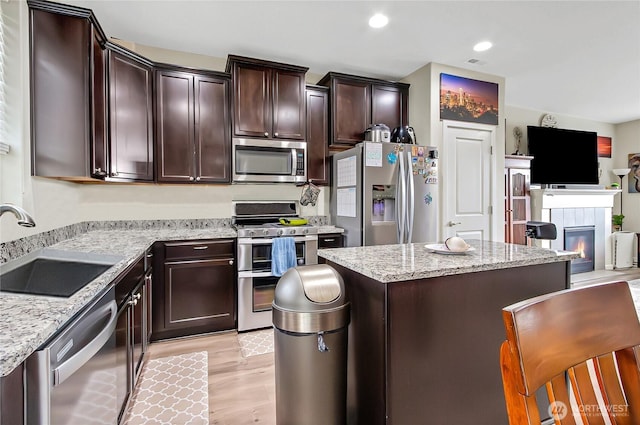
x=332, y=240
x=199, y=249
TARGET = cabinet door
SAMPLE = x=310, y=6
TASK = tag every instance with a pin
x=199, y=295
x=251, y=101
x=351, y=113
x=388, y=106
x=174, y=126
x=130, y=109
x=519, y=204
x=212, y=130
x=98, y=166
x=318, y=135
x=60, y=94
x=288, y=105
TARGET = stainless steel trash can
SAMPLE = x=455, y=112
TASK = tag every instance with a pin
x=310, y=317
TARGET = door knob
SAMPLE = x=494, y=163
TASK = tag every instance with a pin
x=454, y=223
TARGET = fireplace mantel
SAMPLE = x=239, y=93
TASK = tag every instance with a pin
x=568, y=207
x=572, y=198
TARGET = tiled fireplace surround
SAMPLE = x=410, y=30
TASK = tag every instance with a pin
x=577, y=207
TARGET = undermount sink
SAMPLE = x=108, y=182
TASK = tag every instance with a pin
x=54, y=272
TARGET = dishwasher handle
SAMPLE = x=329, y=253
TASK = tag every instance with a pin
x=75, y=362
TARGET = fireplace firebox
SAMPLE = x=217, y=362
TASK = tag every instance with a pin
x=582, y=240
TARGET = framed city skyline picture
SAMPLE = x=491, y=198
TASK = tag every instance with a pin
x=466, y=99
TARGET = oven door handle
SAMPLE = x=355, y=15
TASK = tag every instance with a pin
x=75, y=362
x=269, y=241
x=250, y=274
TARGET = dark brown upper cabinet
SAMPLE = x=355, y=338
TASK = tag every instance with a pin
x=268, y=98
x=130, y=116
x=357, y=102
x=317, y=134
x=68, y=120
x=193, y=131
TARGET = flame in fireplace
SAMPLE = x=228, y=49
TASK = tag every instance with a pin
x=580, y=247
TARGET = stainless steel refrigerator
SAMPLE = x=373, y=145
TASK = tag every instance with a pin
x=386, y=193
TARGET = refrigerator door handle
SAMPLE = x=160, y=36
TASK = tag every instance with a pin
x=403, y=199
x=397, y=199
x=410, y=198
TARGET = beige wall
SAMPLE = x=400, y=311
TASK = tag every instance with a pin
x=56, y=203
x=424, y=116
x=626, y=141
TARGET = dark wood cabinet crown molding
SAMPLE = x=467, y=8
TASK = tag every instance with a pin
x=368, y=80
x=129, y=53
x=231, y=59
x=75, y=11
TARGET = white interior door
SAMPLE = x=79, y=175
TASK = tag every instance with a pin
x=466, y=180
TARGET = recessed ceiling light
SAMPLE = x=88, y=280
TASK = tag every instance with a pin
x=482, y=46
x=378, y=21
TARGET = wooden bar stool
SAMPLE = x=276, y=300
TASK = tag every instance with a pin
x=584, y=345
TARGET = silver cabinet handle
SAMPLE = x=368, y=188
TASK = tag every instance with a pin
x=137, y=296
x=275, y=134
x=190, y=178
x=200, y=248
x=329, y=240
x=231, y=262
x=198, y=178
x=266, y=134
x=75, y=362
x=454, y=223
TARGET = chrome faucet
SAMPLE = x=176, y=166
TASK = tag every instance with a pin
x=24, y=219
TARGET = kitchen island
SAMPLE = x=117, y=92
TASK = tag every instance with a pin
x=426, y=328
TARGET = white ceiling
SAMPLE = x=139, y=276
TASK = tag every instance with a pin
x=576, y=58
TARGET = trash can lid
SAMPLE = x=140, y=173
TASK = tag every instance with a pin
x=309, y=288
x=310, y=299
x=320, y=285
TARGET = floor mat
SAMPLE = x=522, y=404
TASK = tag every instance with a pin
x=256, y=342
x=172, y=390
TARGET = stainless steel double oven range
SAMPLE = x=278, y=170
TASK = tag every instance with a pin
x=257, y=224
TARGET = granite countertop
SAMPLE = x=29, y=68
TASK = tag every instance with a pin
x=27, y=321
x=414, y=261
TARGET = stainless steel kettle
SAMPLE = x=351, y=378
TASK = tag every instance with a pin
x=404, y=134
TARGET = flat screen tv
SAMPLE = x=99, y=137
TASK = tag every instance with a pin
x=563, y=157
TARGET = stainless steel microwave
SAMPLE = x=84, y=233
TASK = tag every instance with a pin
x=269, y=161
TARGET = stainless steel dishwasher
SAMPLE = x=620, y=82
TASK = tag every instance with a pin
x=79, y=376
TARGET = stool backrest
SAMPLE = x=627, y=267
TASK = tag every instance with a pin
x=584, y=345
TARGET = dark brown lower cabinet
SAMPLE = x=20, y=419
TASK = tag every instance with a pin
x=12, y=397
x=427, y=351
x=194, y=288
x=330, y=240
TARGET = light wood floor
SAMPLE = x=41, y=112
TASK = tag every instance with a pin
x=241, y=390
